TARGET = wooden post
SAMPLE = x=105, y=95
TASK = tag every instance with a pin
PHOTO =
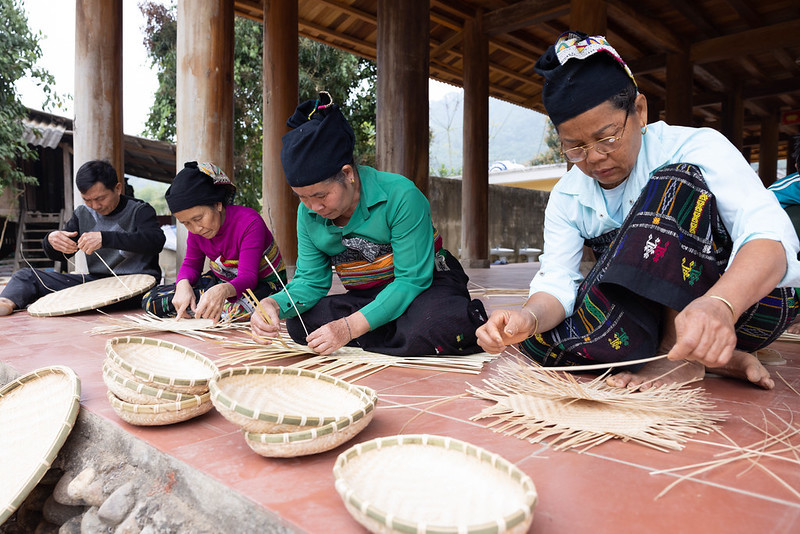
x=98, y=84
x=768, y=151
x=475, y=174
x=678, y=106
x=280, y=100
x=588, y=16
x=98, y=130
x=732, y=116
x=204, y=94
x=402, y=107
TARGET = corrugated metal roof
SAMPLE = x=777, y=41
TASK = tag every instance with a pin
x=43, y=132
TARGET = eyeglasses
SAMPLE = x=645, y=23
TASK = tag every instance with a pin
x=606, y=145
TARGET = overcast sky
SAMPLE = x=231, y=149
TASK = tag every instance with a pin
x=56, y=21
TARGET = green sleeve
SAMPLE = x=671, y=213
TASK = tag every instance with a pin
x=411, y=231
x=312, y=279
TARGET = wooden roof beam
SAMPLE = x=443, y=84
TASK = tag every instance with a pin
x=742, y=43
x=523, y=14
x=627, y=14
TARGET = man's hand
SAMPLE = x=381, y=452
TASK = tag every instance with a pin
x=62, y=242
x=90, y=241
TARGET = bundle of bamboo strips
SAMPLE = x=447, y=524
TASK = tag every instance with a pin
x=149, y=324
x=350, y=363
x=537, y=403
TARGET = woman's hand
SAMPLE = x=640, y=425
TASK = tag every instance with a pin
x=705, y=333
x=329, y=337
x=505, y=327
x=260, y=326
x=183, y=298
x=212, y=300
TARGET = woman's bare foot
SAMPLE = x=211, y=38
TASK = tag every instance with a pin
x=658, y=373
x=6, y=306
x=745, y=366
x=794, y=328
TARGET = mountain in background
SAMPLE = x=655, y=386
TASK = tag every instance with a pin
x=516, y=134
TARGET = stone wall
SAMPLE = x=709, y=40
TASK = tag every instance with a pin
x=516, y=216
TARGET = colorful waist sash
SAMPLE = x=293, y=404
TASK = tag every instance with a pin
x=364, y=264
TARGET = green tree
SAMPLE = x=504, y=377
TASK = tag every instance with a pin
x=21, y=51
x=553, y=153
x=349, y=79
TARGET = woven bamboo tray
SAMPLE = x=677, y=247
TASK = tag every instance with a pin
x=274, y=400
x=162, y=364
x=426, y=484
x=37, y=413
x=91, y=295
x=305, y=442
x=130, y=390
x=160, y=414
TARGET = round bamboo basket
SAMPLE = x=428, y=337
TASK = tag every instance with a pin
x=37, y=413
x=426, y=484
x=129, y=390
x=91, y=295
x=162, y=364
x=160, y=414
x=274, y=400
x=305, y=442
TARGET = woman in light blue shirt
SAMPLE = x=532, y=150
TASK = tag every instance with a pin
x=696, y=260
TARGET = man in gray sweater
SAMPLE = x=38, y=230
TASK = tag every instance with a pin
x=121, y=230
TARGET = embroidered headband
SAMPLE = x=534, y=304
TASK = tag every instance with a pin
x=199, y=184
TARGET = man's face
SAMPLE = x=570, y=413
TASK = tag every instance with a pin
x=102, y=199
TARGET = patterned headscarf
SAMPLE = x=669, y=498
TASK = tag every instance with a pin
x=320, y=144
x=199, y=184
x=580, y=72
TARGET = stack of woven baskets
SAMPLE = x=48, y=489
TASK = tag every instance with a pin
x=154, y=382
x=286, y=412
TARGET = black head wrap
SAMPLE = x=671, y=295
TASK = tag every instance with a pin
x=319, y=145
x=580, y=72
x=199, y=184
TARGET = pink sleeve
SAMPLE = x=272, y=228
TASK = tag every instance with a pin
x=253, y=243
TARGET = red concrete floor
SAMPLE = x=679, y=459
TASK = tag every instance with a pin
x=607, y=489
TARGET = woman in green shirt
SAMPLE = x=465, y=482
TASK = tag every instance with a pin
x=405, y=294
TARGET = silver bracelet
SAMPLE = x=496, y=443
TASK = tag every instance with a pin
x=349, y=332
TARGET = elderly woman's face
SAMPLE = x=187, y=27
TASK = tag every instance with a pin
x=204, y=221
x=331, y=198
x=598, y=124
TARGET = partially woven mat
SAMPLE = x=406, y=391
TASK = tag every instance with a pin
x=538, y=404
x=37, y=413
x=421, y=484
x=91, y=295
x=146, y=323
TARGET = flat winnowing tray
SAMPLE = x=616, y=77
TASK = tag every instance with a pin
x=91, y=295
x=162, y=364
x=425, y=484
x=283, y=399
x=37, y=413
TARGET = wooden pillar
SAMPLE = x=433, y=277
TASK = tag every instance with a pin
x=204, y=94
x=654, y=106
x=98, y=84
x=403, y=69
x=280, y=100
x=98, y=130
x=588, y=16
x=475, y=174
x=732, y=116
x=768, y=150
x=678, y=106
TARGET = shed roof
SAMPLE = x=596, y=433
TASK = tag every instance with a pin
x=752, y=43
